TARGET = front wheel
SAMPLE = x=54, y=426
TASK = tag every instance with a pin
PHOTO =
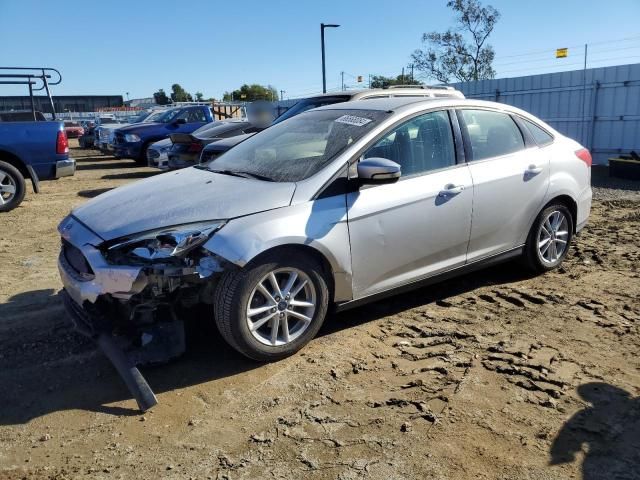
x=273, y=307
x=549, y=239
x=12, y=187
x=141, y=159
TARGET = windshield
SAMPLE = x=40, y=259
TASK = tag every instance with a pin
x=167, y=117
x=308, y=104
x=139, y=118
x=154, y=117
x=300, y=147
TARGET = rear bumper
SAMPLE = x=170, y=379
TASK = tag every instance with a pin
x=65, y=168
x=584, y=208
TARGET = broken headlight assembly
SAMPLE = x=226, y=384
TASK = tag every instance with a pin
x=163, y=244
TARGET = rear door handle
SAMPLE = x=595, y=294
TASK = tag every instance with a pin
x=533, y=169
x=450, y=190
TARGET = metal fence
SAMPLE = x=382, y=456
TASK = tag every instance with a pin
x=599, y=107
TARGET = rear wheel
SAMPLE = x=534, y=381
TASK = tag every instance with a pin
x=12, y=187
x=549, y=238
x=272, y=308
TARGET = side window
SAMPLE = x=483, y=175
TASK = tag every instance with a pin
x=491, y=134
x=193, y=115
x=541, y=137
x=420, y=145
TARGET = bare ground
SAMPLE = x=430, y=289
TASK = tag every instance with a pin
x=491, y=375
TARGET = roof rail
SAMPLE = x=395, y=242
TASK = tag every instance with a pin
x=423, y=87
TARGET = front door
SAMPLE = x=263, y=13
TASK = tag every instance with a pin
x=420, y=225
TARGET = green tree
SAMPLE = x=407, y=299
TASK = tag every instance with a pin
x=251, y=93
x=199, y=96
x=380, y=81
x=179, y=94
x=161, y=97
x=460, y=52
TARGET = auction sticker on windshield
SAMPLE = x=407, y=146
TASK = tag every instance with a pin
x=353, y=120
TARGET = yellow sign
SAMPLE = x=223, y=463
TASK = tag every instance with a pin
x=562, y=52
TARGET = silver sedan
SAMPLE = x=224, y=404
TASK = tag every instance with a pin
x=339, y=205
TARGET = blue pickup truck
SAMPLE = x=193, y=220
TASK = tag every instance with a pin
x=132, y=141
x=31, y=150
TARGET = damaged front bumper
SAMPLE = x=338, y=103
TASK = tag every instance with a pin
x=132, y=312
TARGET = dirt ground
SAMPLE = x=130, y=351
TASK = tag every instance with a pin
x=494, y=375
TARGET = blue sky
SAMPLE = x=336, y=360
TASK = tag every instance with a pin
x=132, y=46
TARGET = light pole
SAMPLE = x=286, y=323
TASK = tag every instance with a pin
x=324, y=74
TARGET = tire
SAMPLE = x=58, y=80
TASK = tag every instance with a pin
x=142, y=158
x=12, y=187
x=238, y=288
x=539, y=255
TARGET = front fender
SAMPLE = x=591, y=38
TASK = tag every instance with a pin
x=320, y=224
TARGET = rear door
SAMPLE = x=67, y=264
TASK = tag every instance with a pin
x=510, y=180
x=418, y=226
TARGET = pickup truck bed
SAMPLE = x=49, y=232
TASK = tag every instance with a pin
x=31, y=150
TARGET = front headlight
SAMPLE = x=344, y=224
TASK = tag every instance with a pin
x=167, y=242
x=131, y=138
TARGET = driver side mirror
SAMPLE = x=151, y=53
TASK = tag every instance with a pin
x=378, y=171
x=180, y=121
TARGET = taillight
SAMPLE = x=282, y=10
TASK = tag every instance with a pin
x=195, y=147
x=62, y=143
x=584, y=155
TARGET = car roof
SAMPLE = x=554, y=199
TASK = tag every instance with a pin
x=400, y=104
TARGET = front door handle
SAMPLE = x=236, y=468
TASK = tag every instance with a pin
x=533, y=169
x=450, y=190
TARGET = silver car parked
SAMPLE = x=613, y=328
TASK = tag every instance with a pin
x=338, y=205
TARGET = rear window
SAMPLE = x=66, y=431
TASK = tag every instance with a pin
x=541, y=136
x=309, y=103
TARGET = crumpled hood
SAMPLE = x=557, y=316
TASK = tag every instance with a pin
x=175, y=198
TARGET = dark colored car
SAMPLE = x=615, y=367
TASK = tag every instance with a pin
x=73, y=129
x=187, y=148
x=215, y=149
x=132, y=141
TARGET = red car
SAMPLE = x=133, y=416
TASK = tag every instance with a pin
x=73, y=129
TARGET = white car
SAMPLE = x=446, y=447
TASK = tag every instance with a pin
x=337, y=206
x=158, y=154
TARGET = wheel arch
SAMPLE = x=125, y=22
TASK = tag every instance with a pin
x=307, y=250
x=568, y=202
x=14, y=160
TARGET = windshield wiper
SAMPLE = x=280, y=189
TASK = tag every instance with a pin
x=239, y=173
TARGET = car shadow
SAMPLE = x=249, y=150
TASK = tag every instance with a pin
x=610, y=429
x=107, y=165
x=93, y=193
x=60, y=370
x=120, y=176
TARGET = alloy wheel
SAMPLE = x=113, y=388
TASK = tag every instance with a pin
x=7, y=188
x=281, y=306
x=553, y=237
